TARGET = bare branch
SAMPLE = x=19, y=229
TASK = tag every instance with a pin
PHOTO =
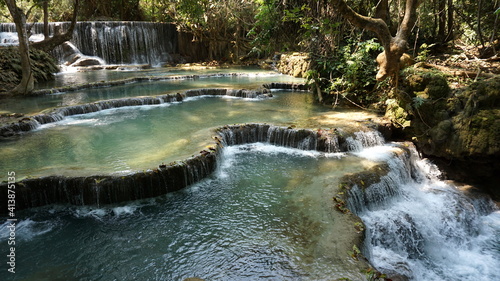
x=376, y=25
x=49, y=44
x=409, y=18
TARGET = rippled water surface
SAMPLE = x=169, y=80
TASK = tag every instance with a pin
x=266, y=214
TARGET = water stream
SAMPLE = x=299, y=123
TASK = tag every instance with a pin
x=265, y=214
x=424, y=228
x=249, y=79
x=136, y=138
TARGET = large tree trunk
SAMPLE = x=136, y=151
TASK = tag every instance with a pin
x=394, y=46
x=48, y=44
x=449, y=35
x=382, y=10
x=27, y=81
x=441, y=36
x=45, y=6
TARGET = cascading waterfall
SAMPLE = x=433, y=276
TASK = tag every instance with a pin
x=304, y=139
x=417, y=226
x=421, y=228
x=114, y=41
x=106, y=189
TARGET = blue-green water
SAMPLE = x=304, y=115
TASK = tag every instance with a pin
x=131, y=139
x=247, y=80
x=266, y=214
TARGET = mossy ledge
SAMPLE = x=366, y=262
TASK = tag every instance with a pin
x=42, y=64
x=29, y=123
x=459, y=129
x=108, y=189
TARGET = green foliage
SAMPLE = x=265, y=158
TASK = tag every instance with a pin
x=418, y=101
x=351, y=71
x=424, y=52
x=374, y=275
x=355, y=253
x=264, y=26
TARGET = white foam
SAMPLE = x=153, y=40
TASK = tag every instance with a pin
x=431, y=231
x=27, y=229
x=124, y=210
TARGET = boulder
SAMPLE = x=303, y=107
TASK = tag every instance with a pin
x=295, y=64
x=73, y=56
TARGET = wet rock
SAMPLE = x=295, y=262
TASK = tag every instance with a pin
x=74, y=57
x=286, y=86
x=460, y=130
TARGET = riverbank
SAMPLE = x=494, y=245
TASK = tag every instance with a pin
x=43, y=66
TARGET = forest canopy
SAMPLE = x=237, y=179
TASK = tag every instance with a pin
x=281, y=25
x=342, y=52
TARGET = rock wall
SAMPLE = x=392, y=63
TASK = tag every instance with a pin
x=460, y=129
x=295, y=64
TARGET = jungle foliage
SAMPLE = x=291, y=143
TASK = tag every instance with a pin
x=343, y=54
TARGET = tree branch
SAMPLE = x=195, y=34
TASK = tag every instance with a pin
x=409, y=18
x=376, y=25
x=49, y=44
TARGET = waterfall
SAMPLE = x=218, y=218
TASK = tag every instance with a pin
x=421, y=228
x=115, y=42
x=305, y=139
x=107, y=189
x=364, y=139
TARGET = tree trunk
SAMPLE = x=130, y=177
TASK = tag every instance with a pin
x=382, y=11
x=441, y=36
x=479, y=30
x=394, y=47
x=449, y=35
x=236, y=58
x=27, y=81
x=48, y=44
x=45, y=6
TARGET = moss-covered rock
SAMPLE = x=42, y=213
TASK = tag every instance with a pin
x=43, y=66
x=460, y=128
x=429, y=84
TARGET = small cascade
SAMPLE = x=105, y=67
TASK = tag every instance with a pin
x=379, y=186
x=99, y=190
x=286, y=86
x=364, y=139
x=329, y=141
x=34, y=122
x=305, y=139
x=114, y=41
x=418, y=226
